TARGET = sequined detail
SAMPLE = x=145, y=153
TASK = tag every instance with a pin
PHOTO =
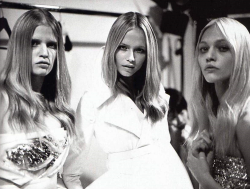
x=38, y=154
x=230, y=172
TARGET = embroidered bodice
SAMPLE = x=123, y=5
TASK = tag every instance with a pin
x=25, y=157
x=36, y=154
x=230, y=172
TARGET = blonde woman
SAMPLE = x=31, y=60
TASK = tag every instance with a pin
x=220, y=155
x=127, y=112
x=37, y=124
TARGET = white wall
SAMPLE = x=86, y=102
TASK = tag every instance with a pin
x=88, y=34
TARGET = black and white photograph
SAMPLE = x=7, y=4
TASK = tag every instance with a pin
x=124, y=94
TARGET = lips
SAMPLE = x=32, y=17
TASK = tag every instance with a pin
x=43, y=62
x=210, y=68
x=129, y=66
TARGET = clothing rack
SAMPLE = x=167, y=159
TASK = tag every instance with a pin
x=60, y=9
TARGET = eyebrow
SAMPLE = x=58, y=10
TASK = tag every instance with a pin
x=49, y=41
x=136, y=46
x=217, y=41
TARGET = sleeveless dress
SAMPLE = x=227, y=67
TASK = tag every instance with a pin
x=230, y=172
x=33, y=160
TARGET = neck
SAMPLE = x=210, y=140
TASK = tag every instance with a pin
x=220, y=88
x=127, y=85
x=129, y=81
x=37, y=83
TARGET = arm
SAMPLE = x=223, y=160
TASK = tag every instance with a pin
x=199, y=168
x=75, y=161
x=199, y=161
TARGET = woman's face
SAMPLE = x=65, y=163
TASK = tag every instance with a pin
x=44, y=50
x=131, y=53
x=215, y=56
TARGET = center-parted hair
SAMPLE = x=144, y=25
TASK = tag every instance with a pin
x=147, y=79
x=28, y=108
x=222, y=117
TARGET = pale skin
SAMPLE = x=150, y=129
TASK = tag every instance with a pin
x=216, y=62
x=131, y=53
x=44, y=51
x=43, y=57
x=44, y=48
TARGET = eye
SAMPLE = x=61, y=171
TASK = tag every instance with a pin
x=52, y=45
x=123, y=47
x=224, y=48
x=203, y=49
x=140, y=50
x=34, y=43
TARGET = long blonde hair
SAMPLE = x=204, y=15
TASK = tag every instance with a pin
x=26, y=107
x=148, y=77
x=221, y=118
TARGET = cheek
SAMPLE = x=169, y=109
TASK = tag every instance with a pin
x=140, y=60
x=201, y=64
x=200, y=61
x=34, y=54
x=118, y=58
x=228, y=65
x=53, y=54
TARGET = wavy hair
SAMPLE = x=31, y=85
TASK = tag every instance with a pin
x=28, y=108
x=221, y=118
x=147, y=79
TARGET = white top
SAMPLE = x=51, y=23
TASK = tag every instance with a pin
x=139, y=153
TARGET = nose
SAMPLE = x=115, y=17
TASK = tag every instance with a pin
x=211, y=55
x=44, y=51
x=131, y=57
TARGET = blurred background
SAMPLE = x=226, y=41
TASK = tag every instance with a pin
x=86, y=24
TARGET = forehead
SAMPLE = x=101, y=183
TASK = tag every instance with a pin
x=44, y=32
x=135, y=36
x=211, y=34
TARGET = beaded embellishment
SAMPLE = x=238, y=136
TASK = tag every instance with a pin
x=230, y=172
x=36, y=155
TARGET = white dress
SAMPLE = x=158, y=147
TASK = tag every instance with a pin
x=32, y=160
x=140, y=155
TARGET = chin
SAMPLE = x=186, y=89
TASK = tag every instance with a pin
x=40, y=74
x=126, y=74
x=211, y=79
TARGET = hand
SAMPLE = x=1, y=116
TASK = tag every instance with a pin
x=200, y=167
x=200, y=157
x=202, y=143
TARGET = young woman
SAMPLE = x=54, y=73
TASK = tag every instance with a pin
x=127, y=113
x=36, y=121
x=220, y=155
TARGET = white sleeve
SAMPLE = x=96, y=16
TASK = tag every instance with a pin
x=73, y=167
